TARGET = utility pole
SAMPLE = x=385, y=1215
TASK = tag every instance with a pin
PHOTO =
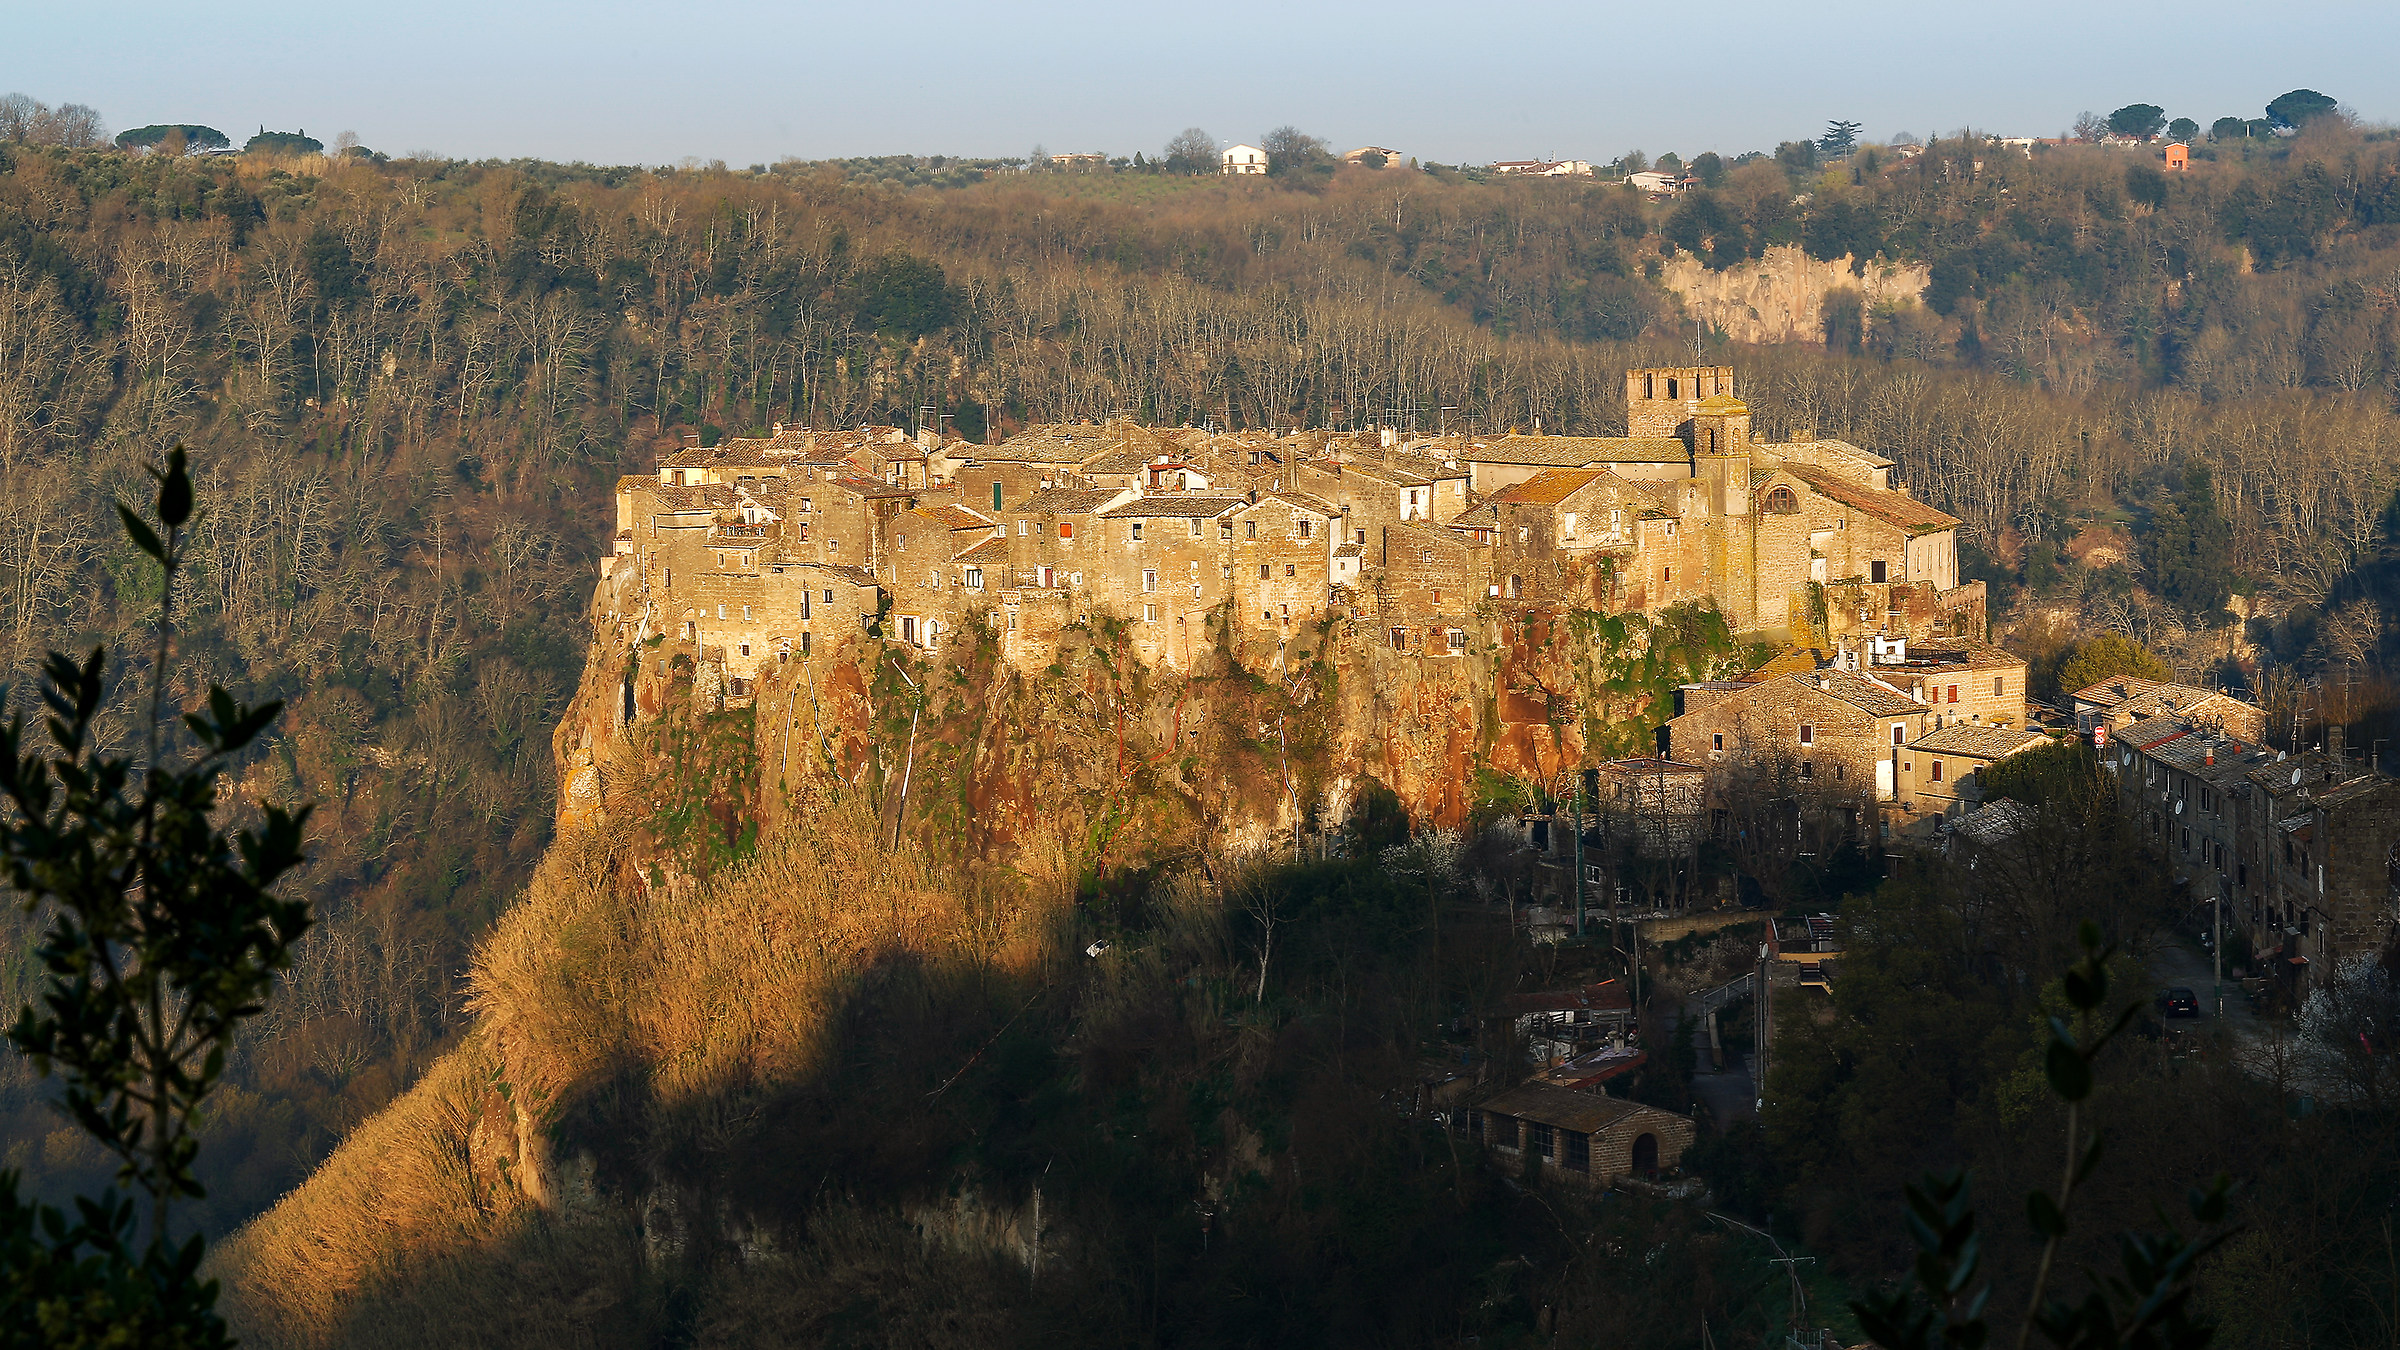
x=1578, y=818
x=2216, y=948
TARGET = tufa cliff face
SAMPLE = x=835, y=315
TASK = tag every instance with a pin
x=1781, y=296
x=956, y=747
x=763, y=915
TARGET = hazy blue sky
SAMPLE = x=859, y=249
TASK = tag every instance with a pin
x=614, y=82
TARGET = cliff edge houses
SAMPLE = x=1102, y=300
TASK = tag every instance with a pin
x=758, y=550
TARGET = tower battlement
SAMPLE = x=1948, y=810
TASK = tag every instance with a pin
x=1659, y=400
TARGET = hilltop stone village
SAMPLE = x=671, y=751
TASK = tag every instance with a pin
x=1880, y=704
x=756, y=550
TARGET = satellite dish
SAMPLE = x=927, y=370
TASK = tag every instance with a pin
x=2179, y=808
x=2295, y=778
x=2126, y=759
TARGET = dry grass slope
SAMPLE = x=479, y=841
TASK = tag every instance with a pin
x=710, y=993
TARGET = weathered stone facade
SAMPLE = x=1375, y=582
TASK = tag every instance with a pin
x=1194, y=540
x=2302, y=851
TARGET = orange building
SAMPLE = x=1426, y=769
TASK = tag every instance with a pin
x=2179, y=157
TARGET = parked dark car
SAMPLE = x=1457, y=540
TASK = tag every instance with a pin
x=2178, y=1002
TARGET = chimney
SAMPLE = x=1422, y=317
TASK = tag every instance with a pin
x=2334, y=749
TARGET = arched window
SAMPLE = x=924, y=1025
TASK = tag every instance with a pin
x=1781, y=502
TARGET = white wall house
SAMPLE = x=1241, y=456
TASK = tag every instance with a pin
x=1245, y=159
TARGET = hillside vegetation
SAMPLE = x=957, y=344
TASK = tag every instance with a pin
x=406, y=386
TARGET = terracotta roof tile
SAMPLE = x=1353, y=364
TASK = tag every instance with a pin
x=1892, y=508
x=1576, y=452
x=1549, y=487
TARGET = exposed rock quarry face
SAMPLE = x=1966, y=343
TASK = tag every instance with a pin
x=1781, y=297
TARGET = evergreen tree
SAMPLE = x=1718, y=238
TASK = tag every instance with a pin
x=2187, y=545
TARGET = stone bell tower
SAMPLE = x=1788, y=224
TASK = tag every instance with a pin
x=1660, y=401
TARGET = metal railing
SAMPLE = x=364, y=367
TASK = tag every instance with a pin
x=1737, y=987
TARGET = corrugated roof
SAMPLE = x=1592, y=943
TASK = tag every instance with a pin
x=1892, y=508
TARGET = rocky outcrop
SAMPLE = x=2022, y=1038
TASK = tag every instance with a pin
x=1781, y=297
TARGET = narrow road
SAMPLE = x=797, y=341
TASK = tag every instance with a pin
x=1727, y=1095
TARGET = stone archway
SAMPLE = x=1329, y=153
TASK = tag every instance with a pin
x=1645, y=1153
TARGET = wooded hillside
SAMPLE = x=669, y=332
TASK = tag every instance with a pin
x=405, y=386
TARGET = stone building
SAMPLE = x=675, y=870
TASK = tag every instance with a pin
x=1939, y=771
x=1656, y=807
x=2301, y=851
x=1833, y=733
x=2115, y=703
x=1182, y=538
x=1585, y=1137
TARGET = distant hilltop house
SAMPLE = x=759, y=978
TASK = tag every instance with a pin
x=1373, y=157
x=1079, y=160
x=1542, y=168
x=2178, y=157
x=1651, y=180
x=1244, y=159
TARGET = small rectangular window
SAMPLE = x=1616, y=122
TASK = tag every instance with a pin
x=1808, y=768
x=1937, y=771
x=1808, y=734
x=1716, y=740
x=1149, y=614
x=1305, y=525
x=1149, y=579
x=1195, y=527
x=1999, y=685
x=1899, y=734
x=1066, y=529
x=1954, y=693
x=1137, y=531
